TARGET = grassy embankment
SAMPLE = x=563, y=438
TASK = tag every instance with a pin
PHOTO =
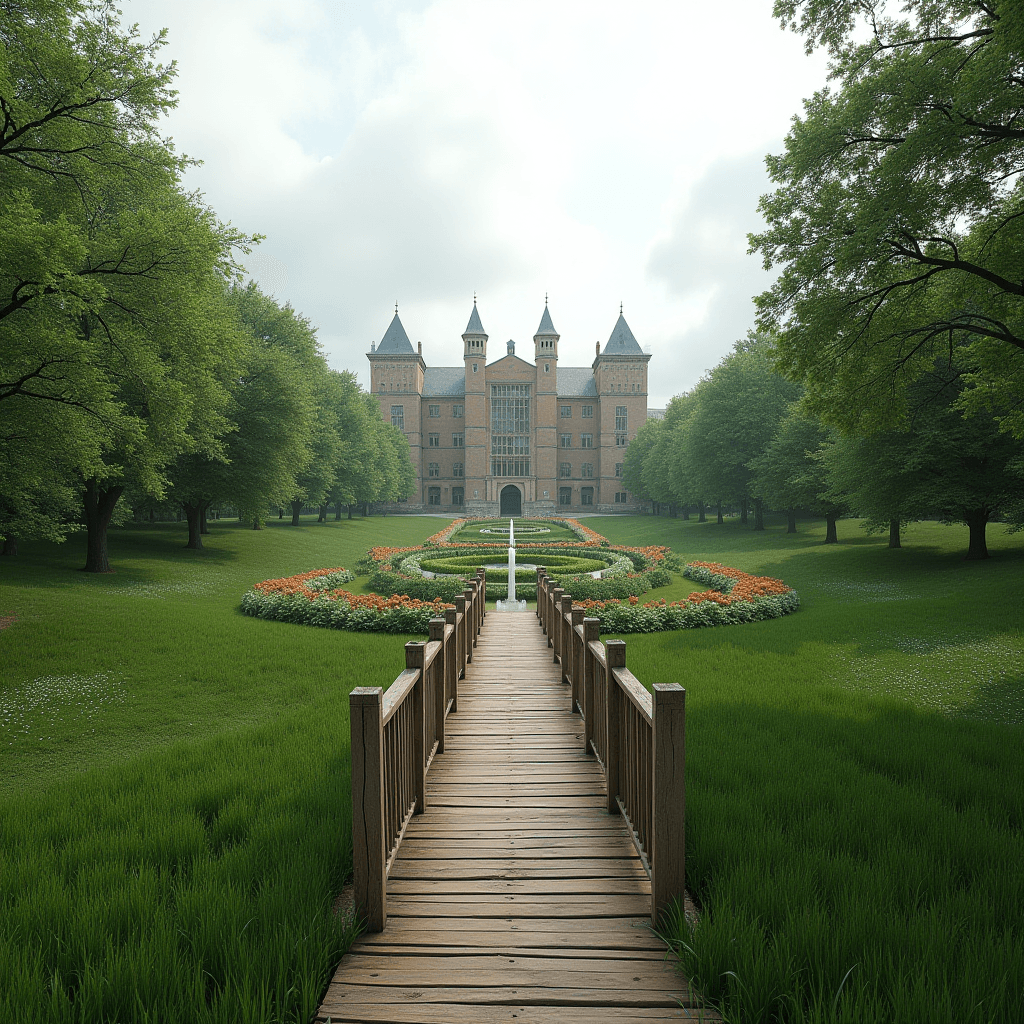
x=174, y=777
x=855, y=776
x=855, y=794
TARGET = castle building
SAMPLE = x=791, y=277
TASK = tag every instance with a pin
x=511, y=437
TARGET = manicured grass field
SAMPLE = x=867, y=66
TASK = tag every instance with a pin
x=855, y=776
x=855, y=797
x=473, y=532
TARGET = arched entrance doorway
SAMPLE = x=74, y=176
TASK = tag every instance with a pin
x=511, y=501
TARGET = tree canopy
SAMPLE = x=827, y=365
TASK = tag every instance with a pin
x=898, y=217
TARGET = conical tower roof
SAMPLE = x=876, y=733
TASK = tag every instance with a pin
x=621, y=342
x=474, y=326
x=395, y=342
x=547, y=328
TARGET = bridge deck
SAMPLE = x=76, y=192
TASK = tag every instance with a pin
x=515, y=896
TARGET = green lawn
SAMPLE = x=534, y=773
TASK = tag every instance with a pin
x=174, y=806
x=855, y=776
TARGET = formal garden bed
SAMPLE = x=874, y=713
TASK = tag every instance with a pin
x=414, y=584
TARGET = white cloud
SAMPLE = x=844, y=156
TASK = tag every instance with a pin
x=419, y=150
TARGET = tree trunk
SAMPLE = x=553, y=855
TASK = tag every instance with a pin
x=701, y=517
x=831, y=536
x=296, y=509
x=721, y=518
x=686, y=511
x=152, y=515
x=672, y=510
x=759, y=513
x=193, y=515
x=322, y=517
x=10, y=546
x=337, y=511
x=350, y=511
x=977, y=520
x=203, y=528
x=743, y=512
x=366, y=509
x=256, y=525
x=280, y=513
x=790, y=520
x=894, y=533
x=99, y=507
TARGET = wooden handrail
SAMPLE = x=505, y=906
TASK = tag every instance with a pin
x=638, y=737
x=395, y=734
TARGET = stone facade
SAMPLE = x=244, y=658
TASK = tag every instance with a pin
x=512, y=437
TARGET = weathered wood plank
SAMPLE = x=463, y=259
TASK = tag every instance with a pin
x=458, y=1013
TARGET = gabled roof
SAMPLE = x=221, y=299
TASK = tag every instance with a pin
x=395, y=342
x=474, y=326
x=621, y=342
x=576, y=382
x=443, y=381
x=547, y=328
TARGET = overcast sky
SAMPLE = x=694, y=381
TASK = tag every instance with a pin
x=419, y=151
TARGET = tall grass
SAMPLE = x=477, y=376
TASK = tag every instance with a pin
x=174, y=779
x=855, y=780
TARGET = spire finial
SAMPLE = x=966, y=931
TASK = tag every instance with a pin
x=545, y=298
x=620, y=309
x=396, y=307
x=474, y=298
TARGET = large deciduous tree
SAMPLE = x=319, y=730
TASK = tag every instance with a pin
x=898, y=220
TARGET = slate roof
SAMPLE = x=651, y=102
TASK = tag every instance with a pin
x=621, y=342
x=546, y=326
x=576, y=382
x=655, y=414
x=442, y=381
x=474, y=326
x=395, y=342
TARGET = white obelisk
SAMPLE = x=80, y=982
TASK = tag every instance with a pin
x=511, y=604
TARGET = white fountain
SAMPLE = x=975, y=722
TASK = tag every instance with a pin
x=511, y=605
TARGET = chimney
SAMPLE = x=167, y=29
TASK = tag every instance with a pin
x=597, y=347
x=419, y=348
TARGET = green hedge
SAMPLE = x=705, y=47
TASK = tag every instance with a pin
x=470, y=563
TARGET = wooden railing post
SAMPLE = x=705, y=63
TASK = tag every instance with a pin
x=577, y=658
x=540, y=576
x=565, y=635
x=414, y=652
x=451, y=661
x=366, y=723
x=482, y=574
x=615, y=657
x=668, y=817
x=591, y=634
x=556, y=632
x=460, y=632
x=470, y=593
x=438, y=675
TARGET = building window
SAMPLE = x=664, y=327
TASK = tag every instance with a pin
x=457, y=494
x=383, y=387
x=586, y=440
x=433, y=411
x=433, y=440
x=547, y=367
x=458, y=440
x=510, y=456
x=621, y=440
x=433, y=469
x=567, y=440
x=398, y=416
x=587, y=412
x=587, y=496
x=566, y=412
x=620, y=497
x=564, y=495
x=433, y=495
x=620, y=417
x=474, y=367
x=457, y=469
x=457, y=412
x=565, y=469
x=618, y=469
x=587, y=471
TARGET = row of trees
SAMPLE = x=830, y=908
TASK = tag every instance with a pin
x=890, y=374
x=132, y=361
x=743, y=437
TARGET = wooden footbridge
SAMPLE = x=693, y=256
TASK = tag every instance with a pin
x=495, y=883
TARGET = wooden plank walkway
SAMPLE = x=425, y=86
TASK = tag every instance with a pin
x=515, y=896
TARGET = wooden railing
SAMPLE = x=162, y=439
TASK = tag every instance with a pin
x=639, y=737
x=395, y=735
